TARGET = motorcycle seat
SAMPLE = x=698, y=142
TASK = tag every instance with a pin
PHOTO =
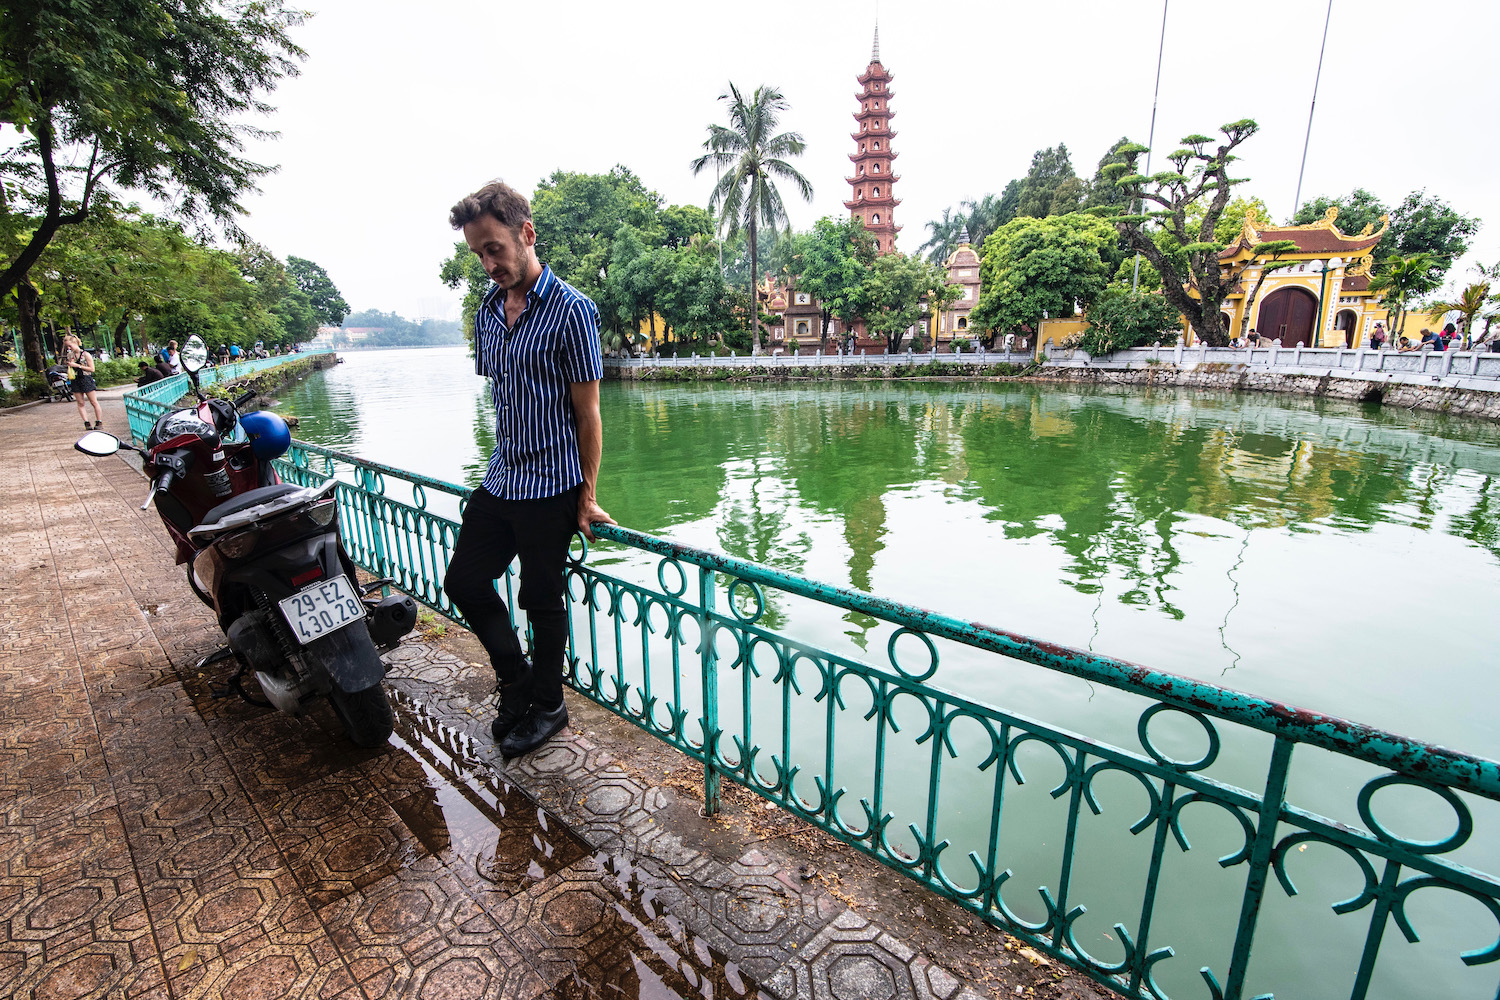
x=249, y=498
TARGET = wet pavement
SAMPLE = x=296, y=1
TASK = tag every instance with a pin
x=159, y=840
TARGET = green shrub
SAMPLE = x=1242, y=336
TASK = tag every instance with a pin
x=26, y=385
x=1120, y=319
x=108, y=373
x=960, y=345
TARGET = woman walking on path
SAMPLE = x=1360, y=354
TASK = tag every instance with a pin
x=81, y=380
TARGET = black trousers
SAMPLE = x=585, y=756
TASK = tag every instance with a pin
x=494, y=532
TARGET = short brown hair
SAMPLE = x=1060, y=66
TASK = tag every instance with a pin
x=496, y=199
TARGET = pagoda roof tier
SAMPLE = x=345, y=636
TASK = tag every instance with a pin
x=874, y=112
x=872, y=73
x=873, y=154
x=888, y=178
x=876, y=202
x=856, y=136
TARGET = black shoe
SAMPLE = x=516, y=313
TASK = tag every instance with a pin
x=515, y=703
x=539, y=726
x=514, y=707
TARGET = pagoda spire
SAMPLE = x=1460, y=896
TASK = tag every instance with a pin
x=872, y=197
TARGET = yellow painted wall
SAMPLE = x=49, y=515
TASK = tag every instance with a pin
x=1055, y=331
x=645, y=331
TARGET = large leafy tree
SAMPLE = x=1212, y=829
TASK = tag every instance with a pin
x=694, y=301
x=1187, y=201
x=1035, y=266
x=752, y=154
x=1357, y=209
x=1050, y=186
x=894, y=288
x=830, y=262
x=1424, y=224
x=577, y=216
x=320, y=290
x=144, y=94
x=1420, y=224
x=1103, y=192
x=638, y=278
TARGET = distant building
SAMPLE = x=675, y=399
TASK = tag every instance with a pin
x=963, y=270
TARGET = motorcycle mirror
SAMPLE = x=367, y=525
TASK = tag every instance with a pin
x=98, y=444
x=194, y=353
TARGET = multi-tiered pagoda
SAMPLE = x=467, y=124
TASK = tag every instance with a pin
x=873, y=184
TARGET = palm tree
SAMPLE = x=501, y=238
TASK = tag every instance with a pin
x=1401, y=280
x=1468, y=305
x=942, y=236
x=984, y=217
x=751, y=153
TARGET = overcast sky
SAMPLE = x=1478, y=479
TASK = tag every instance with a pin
x=403, y=108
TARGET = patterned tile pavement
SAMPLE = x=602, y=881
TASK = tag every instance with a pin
x=157, y=840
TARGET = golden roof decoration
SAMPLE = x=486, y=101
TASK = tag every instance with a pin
x=1254, y=231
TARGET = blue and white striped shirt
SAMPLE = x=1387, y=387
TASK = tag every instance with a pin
x=555, y=342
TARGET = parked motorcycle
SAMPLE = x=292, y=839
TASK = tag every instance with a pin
x=266, y=556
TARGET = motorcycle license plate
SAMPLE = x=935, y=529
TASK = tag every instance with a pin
x=322, y=608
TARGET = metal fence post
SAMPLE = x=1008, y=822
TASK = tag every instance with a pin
x=710, y=661
x=1260, y=865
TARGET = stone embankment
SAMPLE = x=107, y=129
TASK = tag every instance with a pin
x=1408, y=390
x=1406, y=393
x=268, y=381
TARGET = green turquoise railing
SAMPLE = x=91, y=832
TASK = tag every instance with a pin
x=939, y=787
x=144, y=405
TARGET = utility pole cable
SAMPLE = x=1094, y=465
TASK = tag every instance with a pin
x=1297, y=201
x=1161, y=47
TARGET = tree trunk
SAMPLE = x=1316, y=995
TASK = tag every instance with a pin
x=120, y=348
x=31, y=331
x=823, y=331
x=754, y=288
x=651, y=319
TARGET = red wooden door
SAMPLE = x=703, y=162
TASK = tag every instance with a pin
x=1287, y=314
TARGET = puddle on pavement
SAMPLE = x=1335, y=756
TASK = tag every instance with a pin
x=638, y=951
x=471, y=813
x=647, y=953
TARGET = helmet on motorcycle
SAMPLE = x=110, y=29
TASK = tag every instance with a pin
x=268, y=434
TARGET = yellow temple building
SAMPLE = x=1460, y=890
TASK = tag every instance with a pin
x=1327, y=267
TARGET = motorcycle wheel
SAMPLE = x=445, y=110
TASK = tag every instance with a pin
x=366, y=715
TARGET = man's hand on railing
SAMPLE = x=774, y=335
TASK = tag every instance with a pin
x=590, y=514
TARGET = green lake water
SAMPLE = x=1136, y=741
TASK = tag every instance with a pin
x=1340, y=557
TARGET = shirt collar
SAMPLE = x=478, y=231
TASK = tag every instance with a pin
x=540, y=289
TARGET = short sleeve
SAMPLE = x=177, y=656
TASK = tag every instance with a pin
x=582, y=357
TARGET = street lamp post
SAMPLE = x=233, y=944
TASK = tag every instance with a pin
x=1332, y=264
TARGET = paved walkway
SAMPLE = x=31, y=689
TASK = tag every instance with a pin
x=159, y=841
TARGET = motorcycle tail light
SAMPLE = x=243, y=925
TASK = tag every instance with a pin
x=322, y=512
x=240, y=544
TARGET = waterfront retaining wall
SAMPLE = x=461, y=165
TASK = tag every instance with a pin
x=1468, y=400
x=1453, y=394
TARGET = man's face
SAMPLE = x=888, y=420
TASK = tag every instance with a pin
x=504, y=253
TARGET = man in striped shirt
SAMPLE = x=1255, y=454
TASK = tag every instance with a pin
x=537, y=339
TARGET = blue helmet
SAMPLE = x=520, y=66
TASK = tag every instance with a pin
x=268, y=434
